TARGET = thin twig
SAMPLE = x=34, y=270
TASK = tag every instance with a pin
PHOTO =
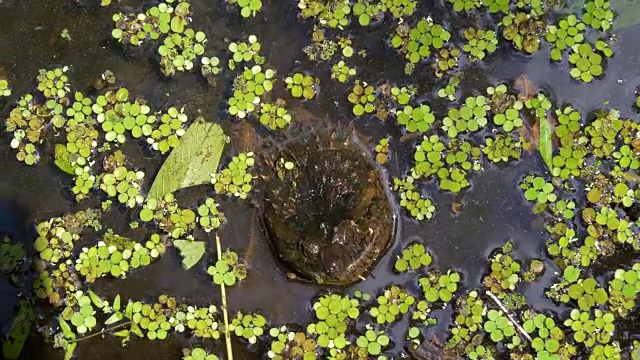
x=225, y=314
x=506, y=312
x=101, y=332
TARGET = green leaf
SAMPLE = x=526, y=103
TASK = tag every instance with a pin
x=117, y=316
x=116, y=303
x=68, y=349
x=191, y=251
x=61, y=159
x=546, y=142
x=20, y=328
x=95, y=299
x=192, y=161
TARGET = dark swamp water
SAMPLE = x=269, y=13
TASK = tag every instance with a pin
x=494, y=209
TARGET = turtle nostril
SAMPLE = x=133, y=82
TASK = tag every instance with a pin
x=311, y=248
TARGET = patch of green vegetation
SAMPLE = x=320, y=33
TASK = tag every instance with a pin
x=465, y=5
x=598, y=14
x=547, y=336
x=291, y=344
x=334, y=314
x=11, y=255
x=179, y=51
x=391, y=305
x=416, y=43
x=235, y=179
x=373, y=341
x=437, y=286
x=588, y=330
x=524, y=31
x=479, y=43
x=587, y=63
x=382, y=151
x=247, y=7
x=275, y=115
x=248, y=88
x=411, y=199
x=505, y=272
x=568, y=32
x=342, y=72
x=502, y=148
x=209, y=216
x=229, y=270
x=302, y=85
x=446, y=60
x=5, y=89
x=472, y=116
x=198, y=354
x=363, y=98
x=419, y=118
x=413, y=257
x=248, y=326
x=334, y=14
x=449, y=91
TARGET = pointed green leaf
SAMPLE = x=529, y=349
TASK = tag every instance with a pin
x=68, y=350
x=116, y=303
x=546, y=142
x=190, y=164
x=66, y=329
x=95, y=299
x=128, y=312
x=191, y=251
x=117, y=316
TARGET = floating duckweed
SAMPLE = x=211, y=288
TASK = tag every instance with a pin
x=228, y=270
x=410, y=198
x=603, y=131
x=609, y=351
x=392, y=304
x=439, y=287
x=209, y=217
x=568, y=33
x=598, y=14
x=623, y=289
x=367, y=11
x=466, y=5
x=120, y=182
x=472, y=116
x=546, y=335
x=417, y=118
x=588, y=64
x=133, y=29
x=416, y=43
x=403, y=95
x=449, y=91
x=428, y=157
x=341, y=72
x=498, y=326
x=248, y=87
x=235, y=180
x=363, y=98
x=413, y=257
x=290, y=345
x=524, y=31
x=27, y=122
x=588, y=330
x=199, y=354
x=11, y=255
x=446, y=60
x=538, y=190
x=496, y=5
x=373, y=341
x=245, y=51
x=603, y=47
x=53, y=83
x=460, y=157
x=399, y=8
x=502, y=148
x=468, y=321
x=247, y=7
x=505, y=271
x=5, y=89
x=479, y=42
x=571, y=158
x=179, y=50
x=382, y=151
x=210, y=66
x=82, y=313
x=168, y=132
x=334, y=314
x=116, y=255
x=333, y=14
x=302, y=85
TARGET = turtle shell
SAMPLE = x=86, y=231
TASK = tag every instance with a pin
x=326, y=210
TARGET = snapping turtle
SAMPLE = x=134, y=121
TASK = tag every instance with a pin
x=325, y=207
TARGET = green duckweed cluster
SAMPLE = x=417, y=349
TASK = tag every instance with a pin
x=411, y=199
x=248, y=88
x=334, y=314
x=198, y=354
x=439, y=287
x=568, y=32
x=291, y=344
x=5, y=89
x=417, y=43
x=450, y=90
x=245, y=52
x=446, y=61
x=413, y=257
x=248, y=326
x=363, y=98
x=228, y=270
x=382, y=151
x=247, y=7
x=415, y=119
x=342, y=72
x=392, y=304
x=235, y=179
x=275, y=116
x=479, y=43
x=524, y=31
x=302, y=85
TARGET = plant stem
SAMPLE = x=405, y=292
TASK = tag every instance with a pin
x=506, y=312
x=101, y=332
x=225, y=314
